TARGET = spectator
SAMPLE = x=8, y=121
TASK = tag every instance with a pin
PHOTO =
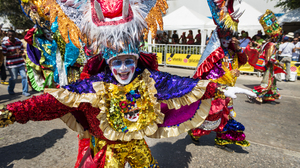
x=190, y=38
x=248, y=36
x=164, y=38
x=198, y=38
x=183, y=38
x=259, y=39
x=208, y=38
x=12, y=49
x=290, y=35
x=244, y=41
x=2, y=65
x=285, y=55
x=2, y=69
x=259, y=32
x=158, y=38
x=297, y=35
x=295, y=55
x=175, y=38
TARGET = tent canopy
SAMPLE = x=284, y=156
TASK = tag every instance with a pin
x=184, y=19
x=290, y=21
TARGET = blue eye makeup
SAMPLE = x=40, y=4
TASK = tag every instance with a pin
x=127, y=62
x=116, y=63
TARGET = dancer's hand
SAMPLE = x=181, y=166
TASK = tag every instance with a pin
x=232, y=91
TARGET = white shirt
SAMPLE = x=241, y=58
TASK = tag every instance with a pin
x=297, y=52
x=286, y=49
x=244, y=42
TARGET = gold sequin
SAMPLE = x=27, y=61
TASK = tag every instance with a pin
x=155, y=16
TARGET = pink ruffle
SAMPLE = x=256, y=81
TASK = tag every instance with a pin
x=209, y=62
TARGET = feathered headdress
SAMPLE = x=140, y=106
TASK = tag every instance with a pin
x=224, y=15
x=270, y=24
x=110, y=26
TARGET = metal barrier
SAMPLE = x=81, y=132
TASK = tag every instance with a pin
x=176, y=55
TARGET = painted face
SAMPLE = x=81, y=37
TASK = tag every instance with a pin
x=123, y=68
x=225, y=42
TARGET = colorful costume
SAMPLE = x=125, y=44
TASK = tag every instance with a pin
x=219, y=63
x=124, y=97
x=264, y=60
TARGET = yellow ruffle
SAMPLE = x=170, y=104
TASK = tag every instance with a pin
x=197, y=120
x=71, y=122
x=113, y=135
x=193, y=96
x=228, y=78
x=73, y=99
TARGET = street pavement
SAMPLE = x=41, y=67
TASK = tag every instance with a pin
x=272, y=130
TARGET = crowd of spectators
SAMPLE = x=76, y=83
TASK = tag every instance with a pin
x=190, y=39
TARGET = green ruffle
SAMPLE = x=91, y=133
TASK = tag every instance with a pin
x=30, y=74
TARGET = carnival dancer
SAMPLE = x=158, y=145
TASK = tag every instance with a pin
x=113, y=110
x=220, y=63
x=265, y=61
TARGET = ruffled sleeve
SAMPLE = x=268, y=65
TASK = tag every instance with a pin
x=176, y=91
x=38, y=108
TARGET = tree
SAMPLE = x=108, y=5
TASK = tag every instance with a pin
x=288, y=4
x=14, y=13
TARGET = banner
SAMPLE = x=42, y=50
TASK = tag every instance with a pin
x=295, y=67
x=159, y=58
x=188, y=60
x=246, y=68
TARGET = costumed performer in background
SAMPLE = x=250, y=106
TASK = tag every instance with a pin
x=220, y=63
x=264, y=60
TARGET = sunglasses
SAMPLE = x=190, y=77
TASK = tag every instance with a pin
x=127, y=62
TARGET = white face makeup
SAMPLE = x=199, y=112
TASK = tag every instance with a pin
x=123, y=68
x=225, y=43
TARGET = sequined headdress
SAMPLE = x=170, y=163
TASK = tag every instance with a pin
x=112, y=27
x=224, y=15
x=270, y=24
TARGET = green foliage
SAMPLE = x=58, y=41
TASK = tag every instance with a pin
x=288, y=4
x=14, y=13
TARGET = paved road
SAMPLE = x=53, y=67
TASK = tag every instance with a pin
x=273, y=131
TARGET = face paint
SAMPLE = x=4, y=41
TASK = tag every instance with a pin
x=225, y=42
x=123, y=70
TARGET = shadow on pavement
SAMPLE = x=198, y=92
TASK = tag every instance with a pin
x=251, y=86
x=173, y=155
x=7, y=97
x=30, y=148
x=209, y=140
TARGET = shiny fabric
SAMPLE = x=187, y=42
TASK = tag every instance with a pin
x=29, y=36
x=221, y=12
x=217, y=111
x=83, y=146
x=216, y=72
x=232, y=134
x=117, y=153
x=37, y=108
x=115, y=104
x=185, y=113
x=36, y=78
x=33, y=54
x=209, y=63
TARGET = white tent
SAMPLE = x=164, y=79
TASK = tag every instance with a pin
x=184, y=19
x=290, y=21
x=248, y=21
